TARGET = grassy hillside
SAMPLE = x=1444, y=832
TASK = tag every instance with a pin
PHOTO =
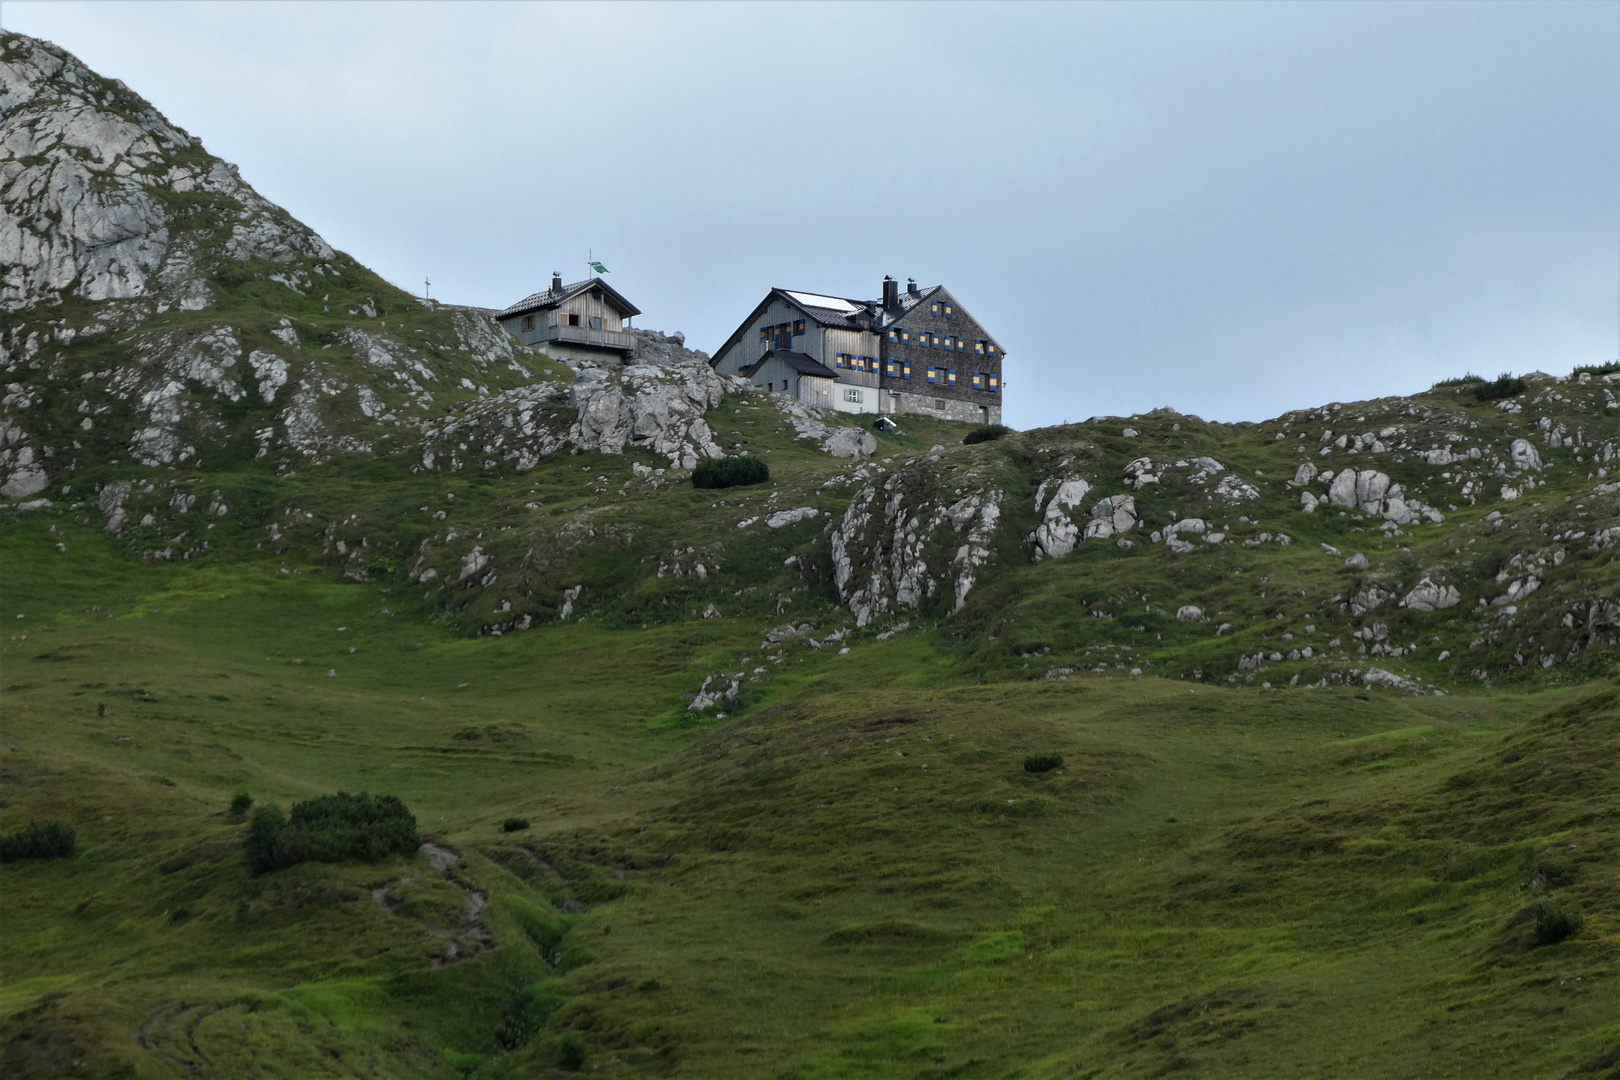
x=759, y=781
x=857, y=878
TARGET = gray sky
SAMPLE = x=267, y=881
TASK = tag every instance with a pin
x=1231, y=209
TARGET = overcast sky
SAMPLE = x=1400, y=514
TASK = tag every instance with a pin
x=1230, y=209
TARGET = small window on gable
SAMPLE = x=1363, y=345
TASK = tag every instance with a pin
x=978, y=347
x=949, y=310
x=894, y=335
x=528, y=322
x=596, y=322
x=934, y=308
x=764, y=333
x=573, y=320
x=990, y=347
x=798, y=326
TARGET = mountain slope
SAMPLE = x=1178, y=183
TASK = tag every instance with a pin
x=732, y=782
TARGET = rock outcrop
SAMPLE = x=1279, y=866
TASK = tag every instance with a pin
x=83, y=161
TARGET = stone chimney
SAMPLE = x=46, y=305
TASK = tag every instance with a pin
x=911, y=287
x=891, y=292
x=556, y=282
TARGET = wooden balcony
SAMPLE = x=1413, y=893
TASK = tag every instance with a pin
x=618, y=340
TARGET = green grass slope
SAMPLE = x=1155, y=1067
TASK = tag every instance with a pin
x=857, y=878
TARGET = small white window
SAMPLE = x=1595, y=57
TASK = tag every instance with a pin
x=852, y=394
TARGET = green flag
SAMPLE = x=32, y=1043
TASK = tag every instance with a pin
x=599, y=268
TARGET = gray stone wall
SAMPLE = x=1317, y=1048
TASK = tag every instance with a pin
x=921, y=403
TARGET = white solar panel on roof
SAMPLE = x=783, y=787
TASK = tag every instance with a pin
x=832, y=303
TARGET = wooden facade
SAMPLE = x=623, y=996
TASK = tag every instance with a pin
x=583, y=323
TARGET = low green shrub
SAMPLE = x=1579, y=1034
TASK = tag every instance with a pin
x=241, y=804
x=52, y=839
x=1554, y=924
x=572, y=1050
x=1505, y=386
x=985, y=433
x=1462, y=380
x=731, y=472
x=330, y=828
x=1042, y=762
x=514, y=824
x=1597, y=369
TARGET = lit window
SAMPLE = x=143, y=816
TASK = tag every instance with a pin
x=933, y=374
x=950, y=377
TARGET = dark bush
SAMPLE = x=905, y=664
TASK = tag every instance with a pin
x=1597, y=369
x=331, y=828
x=241, y=804
x=985, y=433
x=1042, y=762
x=259, y=846
x=1554, y=924
x=40, y=840
x=1505, y=386
x=731, y=472
x=515, y=824
x=1465, y=380
x=572, y=1050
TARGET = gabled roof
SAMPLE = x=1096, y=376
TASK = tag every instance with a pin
x=803, y=363
x=540, y=301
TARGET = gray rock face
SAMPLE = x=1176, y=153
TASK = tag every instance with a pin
x=21, y=472
x=81, y=158
x=1524, y=455
x=1056, y=535
x=899, y=541
x=660, y=409
x=1429, y=596
x=1111, y=517
x=849, y=442
x=783, y=518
